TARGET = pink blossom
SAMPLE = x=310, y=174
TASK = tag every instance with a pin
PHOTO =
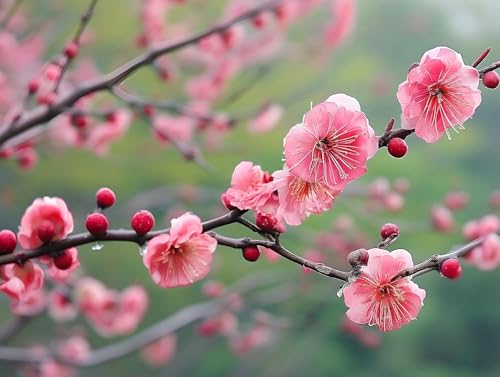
x=299, y=198
x=375, y=299
x=62, y=275
x=271, y=255
x=442, y=219
x=265, y=120
x=44, y=210
x=177, y=129
x=251, y=188
x=161, y=351
x=110, y=312
x=75, y=348
x=60, y=307
x=344, y=14
x=256, y=337
x=30, y=303
x=181, y=257
x=487, y=255
x=17, y=281
x=439, y=94
x=102, y=135
x=332, y=144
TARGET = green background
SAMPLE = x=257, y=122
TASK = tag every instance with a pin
x=458, y=330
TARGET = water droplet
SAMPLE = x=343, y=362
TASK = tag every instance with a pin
x=340, y=292
x=142, y=250
x=98, y=246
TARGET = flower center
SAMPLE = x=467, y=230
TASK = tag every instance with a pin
x=385, y=290
x=436, y=90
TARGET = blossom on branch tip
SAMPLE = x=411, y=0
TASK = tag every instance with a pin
x=375, y=299
x=440, y=93
x=42, y=211
x=332, y=144
x=181, y=257
x=18, y=281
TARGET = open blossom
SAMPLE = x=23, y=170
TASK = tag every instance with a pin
x=44, y=211
x=18, y=281
x=299, y=198
x=344, y=15
x=181, y=257
x=440, y=93
x=250, y=188
x=332, y=144
x=376, y=300
x=265, y=120
x=486, y=256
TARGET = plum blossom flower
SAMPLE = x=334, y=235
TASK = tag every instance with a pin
x=299, y=198
x=17, y=281
x=344, y=15
x=438, y=94
x=265, y=120
x=250, y=188
x=375, y=299
x=160, y=352
x=486, y=256
x=44, y=211
x=332, y=144
x=181, y=257
x=110, y=312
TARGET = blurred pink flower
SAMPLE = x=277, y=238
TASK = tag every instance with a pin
x=440, y=93
x=181, y=257
x=375, y=299
x=42, y=211
x=332, y=144
x=160, y=352
x=265, y=120
x=344, y=14
x=487, y=255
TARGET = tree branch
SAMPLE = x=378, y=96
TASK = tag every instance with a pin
x=41, y=115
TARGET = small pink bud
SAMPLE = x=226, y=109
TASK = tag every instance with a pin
x=491, y=79
x=46, y=231
x=389, y=230
x=63, y=261
x=97, y=224
x=251, y=253
x=397, y=147
x=105, y=197
x=142, y=222
x=8, y=241
x=451, y=268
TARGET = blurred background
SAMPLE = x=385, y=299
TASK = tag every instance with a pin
x=458, y=330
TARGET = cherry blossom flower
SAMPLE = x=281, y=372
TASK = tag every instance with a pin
x=181, y=257
x=60, y=307
x=375, y=299
x=251, y=188
x=44, y=212
x=438, y=94
x=332, y=144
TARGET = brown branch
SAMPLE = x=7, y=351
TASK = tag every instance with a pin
x=42, y=114
x=434, y=262
x=84, y=21
x=11, y=328
x=111, y=235
x=491, y=67
x=239, y=243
